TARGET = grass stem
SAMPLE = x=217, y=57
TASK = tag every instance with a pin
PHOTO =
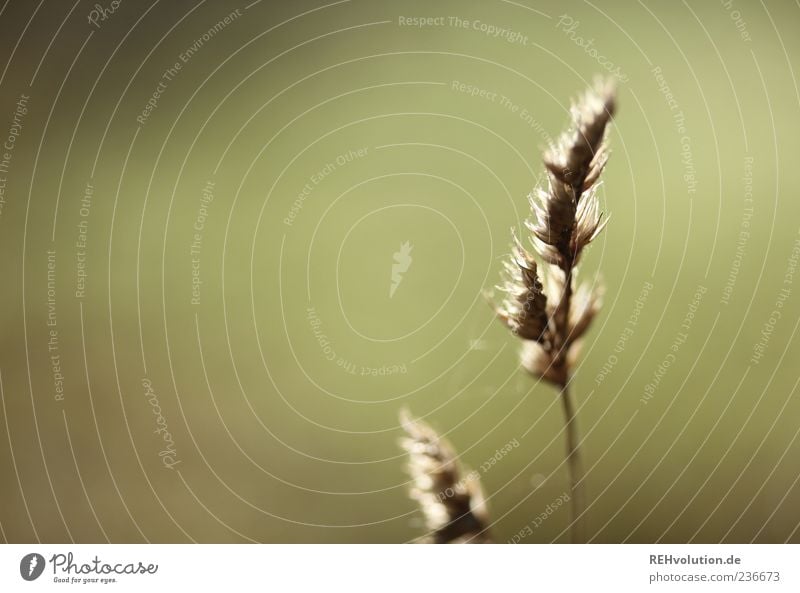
x=575, y=467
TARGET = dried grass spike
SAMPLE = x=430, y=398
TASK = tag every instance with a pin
x=598, y=165
x=553, y=281
x=452, y=501
x=553, y=220
x=538, y=361
x=524, y=308
x=565, y=219
x=589, y=222
x=585, y=305
x=578, y=150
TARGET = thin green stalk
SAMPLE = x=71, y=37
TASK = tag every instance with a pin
x=575, y=465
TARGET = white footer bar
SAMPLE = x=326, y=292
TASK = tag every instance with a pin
x=399, y=568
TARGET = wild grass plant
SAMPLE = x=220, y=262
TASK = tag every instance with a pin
x=542, y=304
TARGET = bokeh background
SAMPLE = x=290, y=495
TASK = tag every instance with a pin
x=230, y=266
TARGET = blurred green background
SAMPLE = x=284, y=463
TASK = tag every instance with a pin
x=282, y=166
